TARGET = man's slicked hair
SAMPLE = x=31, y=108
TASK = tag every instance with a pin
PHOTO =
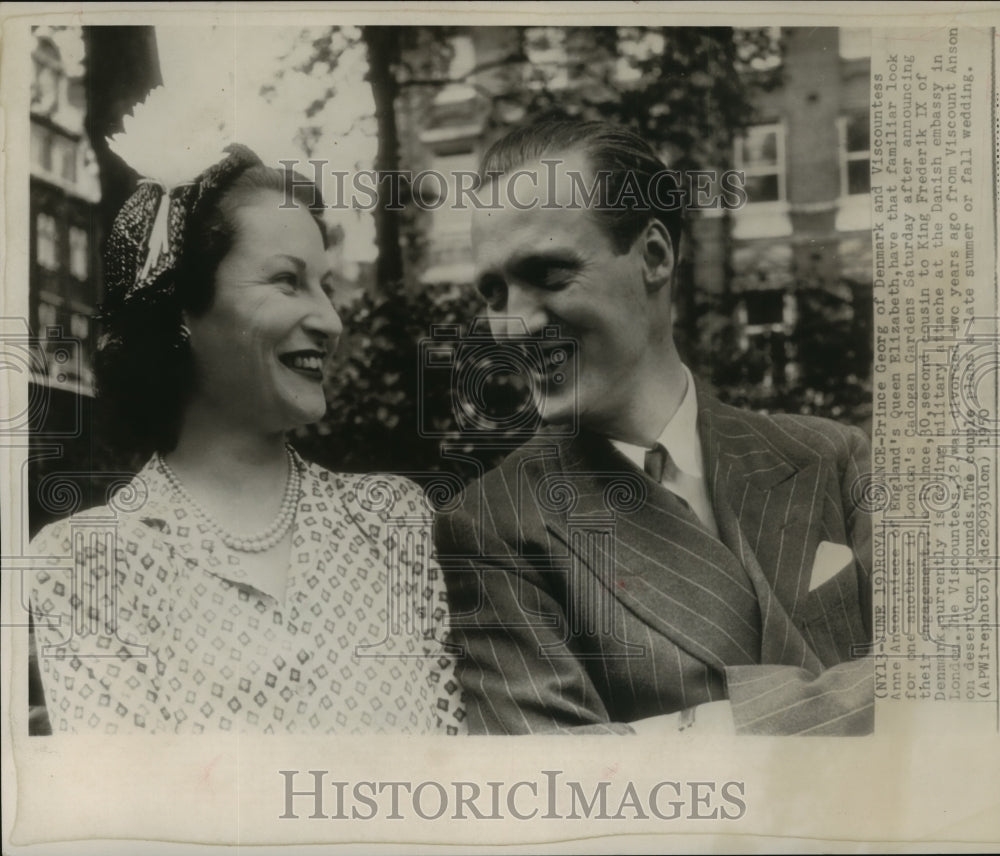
x=627, y=164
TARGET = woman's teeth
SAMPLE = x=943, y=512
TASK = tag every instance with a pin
x=314, y=364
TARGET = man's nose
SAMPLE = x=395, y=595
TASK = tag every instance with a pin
x=524, y=313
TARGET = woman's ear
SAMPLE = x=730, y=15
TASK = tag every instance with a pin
x=657, y=256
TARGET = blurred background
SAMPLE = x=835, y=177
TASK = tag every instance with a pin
x=773, y=306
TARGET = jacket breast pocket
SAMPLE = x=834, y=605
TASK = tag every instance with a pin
x=831, y=619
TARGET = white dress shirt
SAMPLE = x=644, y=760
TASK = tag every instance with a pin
x=684, y=473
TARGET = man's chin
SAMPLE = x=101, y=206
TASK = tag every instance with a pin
x=557, y=409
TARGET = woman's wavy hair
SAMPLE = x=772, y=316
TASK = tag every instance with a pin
x=144, y=369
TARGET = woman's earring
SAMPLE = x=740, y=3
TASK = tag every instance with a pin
x=185, y=334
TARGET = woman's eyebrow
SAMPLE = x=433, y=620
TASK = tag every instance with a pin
x=299, y=264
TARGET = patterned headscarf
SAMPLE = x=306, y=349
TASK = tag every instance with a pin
x=147, y=239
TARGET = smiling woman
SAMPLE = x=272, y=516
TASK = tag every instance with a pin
x=244, y=589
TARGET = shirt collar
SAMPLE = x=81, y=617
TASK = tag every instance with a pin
x=679, y=437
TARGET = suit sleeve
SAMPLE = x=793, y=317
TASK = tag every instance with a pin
x=840, y=700
x=517, y=663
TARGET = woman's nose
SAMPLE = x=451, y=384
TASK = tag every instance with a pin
x=324, y=319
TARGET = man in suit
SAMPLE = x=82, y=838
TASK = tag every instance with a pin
x=675, y=563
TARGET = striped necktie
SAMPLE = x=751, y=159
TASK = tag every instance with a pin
x=658, y=464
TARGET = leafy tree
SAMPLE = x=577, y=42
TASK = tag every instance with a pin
x=687, y=90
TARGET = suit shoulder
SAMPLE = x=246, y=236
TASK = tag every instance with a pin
x=526, y=461
x=817, y=426
x=488, y=506
x=842, y=447
x=798, y=436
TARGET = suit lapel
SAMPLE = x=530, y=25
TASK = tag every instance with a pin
x=768, y=511
x=651, y=554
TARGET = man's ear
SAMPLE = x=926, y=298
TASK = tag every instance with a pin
x=657, y=256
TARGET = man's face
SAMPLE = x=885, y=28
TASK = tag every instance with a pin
x=558, y=266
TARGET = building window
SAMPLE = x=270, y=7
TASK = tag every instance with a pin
x=855, y=159
x=760, y=155
x=47, y=242
x=45, y=86
x=79, y=253
x=48, y=316
x=79, y=326
x=855, y=42
x=765, y=318
x=41, y=147
x=66, y=159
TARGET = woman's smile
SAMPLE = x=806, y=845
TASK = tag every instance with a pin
x=308, y=363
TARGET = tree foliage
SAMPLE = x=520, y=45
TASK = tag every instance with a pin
x=823, y=366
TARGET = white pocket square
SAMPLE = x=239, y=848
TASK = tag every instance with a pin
x=830, y=560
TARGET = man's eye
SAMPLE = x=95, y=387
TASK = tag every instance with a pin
x=557, y=279
x=288, y=280
x=493, y=291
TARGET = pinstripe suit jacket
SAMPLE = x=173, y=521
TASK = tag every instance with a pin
x=571, y=618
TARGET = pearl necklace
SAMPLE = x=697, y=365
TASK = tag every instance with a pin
x=265, y=540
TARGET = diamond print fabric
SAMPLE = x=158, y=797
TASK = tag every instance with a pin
x=354, y=646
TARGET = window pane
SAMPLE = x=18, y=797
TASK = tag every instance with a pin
x=857, y=133
x=48, y=316
x=859, y=176
x=762, y=188
x=79, y=326
x=68, y=161
x=46, y=250
x=45, y=91
x=41, y=147
x=760, y=148
x=78, y=255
